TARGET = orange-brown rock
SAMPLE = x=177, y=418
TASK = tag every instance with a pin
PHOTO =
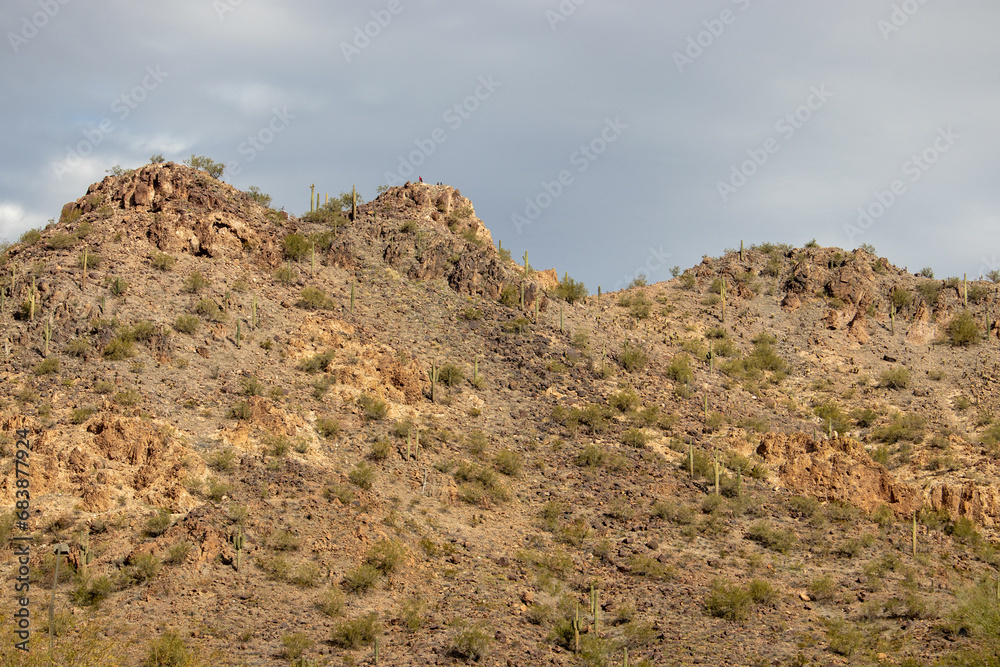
x=835, y=469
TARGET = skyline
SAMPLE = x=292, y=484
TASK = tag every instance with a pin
x=604, y=139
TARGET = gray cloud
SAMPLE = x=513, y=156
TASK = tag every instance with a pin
x=232, y=67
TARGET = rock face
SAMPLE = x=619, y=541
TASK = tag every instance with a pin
x=431, y=232
x=184, y=210
x=836, y=469
x=978, y=503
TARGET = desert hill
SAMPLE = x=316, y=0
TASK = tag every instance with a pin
x=270, y=439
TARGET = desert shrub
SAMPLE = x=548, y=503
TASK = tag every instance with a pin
x=313, y=298
x=91, y=591
x=450, y=374
x=372, y=407
x=470, y=642
x=930, y=290
x=240, y=410
x=141, y=569
x=902, y=427
x=317, y=362
x=679, y=369
x=357, y=632
x=509, y=463
x=963, y=330
x=295, y=645
x=977, y=293
x=327, y=427
x=206, y=164
x=163, y=261
x=296, y=246
x=195, y=283
x=362, y=475
x=361, y=579
x=625, y=400
x=728, y=601
x=901, y=298
x=30, y=237
x=896, y=378
x=168, y=651
x=632, y=357
x=62, y=240
x=832, y=416
x=386, y=556
x=118, y=349
x=187, y=323
x=687, y=281
x=591, y=456
x=822, y=588
x=635, y=437
x=157, y=524
x=208, y=309
x=478, y=485
x=570, y=290
x=331, y=602
x=772, y=538
x=177, y=553
x=47, y=367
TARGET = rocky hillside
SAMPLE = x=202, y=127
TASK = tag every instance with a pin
x=370, y=435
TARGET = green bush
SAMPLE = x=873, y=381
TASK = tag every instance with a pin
x=591, y=456
x=728, y=601
x=163, y=261
x=901, y=298
x=632, y=357
x=119, y=349
x=570, y=290
x=354, y=633
x=509, y=463
x=450, y=374
x=296, y=246
x=187, y=323
x=772, y=538
x=625, y=400
x=168, y=651
x=930, y=290
x=470, y=643
x=195, y=283
x=214, y=169
x=62, y=240
x=362, y=475
x=897, y=378
x=30, y=237
x=158, y=524
x=210, y=310
x=373, y=408
x=963, y=330
x=386, y=556
x=47, y=367
x=327, y=427
x=314, y=298
x=317, y=363
x=903, y=427
x=679, y=369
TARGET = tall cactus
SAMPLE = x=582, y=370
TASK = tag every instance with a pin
x=238, y=544
x=433, y=375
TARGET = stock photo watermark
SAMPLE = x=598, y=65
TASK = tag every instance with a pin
x=562, y=13
x=31, y=25
x=122, y=107
x=455, y=116
x=223, y=7
x=363, y=35
x=900, y=16
x=655, y=261
x=786, y=126
x=257, y=142
x=913, y=169
x=581, y=158
x=698, y=43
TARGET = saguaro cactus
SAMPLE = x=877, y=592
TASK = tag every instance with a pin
x=238, y=544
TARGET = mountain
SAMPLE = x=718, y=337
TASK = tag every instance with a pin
x=366, y=431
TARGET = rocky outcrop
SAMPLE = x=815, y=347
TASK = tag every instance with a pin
x=835, y=469
x=981, y=504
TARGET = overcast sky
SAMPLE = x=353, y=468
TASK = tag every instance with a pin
x=604, y=137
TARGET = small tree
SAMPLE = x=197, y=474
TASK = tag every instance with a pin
x=156, y=159
x=213, y=168
x=963, y=330
x=570, y=290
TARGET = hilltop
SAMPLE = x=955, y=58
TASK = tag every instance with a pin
x=271, y=439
